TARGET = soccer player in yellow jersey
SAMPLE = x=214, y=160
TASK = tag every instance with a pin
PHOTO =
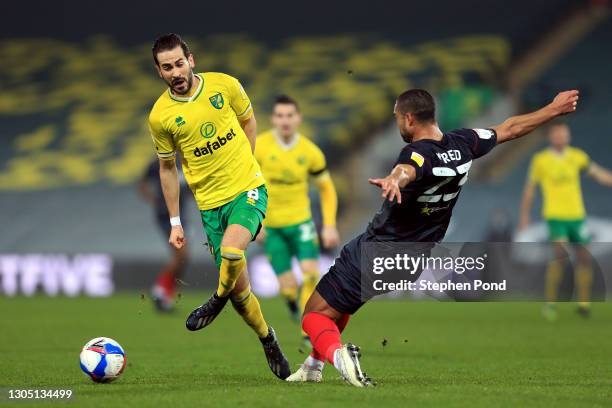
x=208, y=117
x=557, y=170
x=288, y=161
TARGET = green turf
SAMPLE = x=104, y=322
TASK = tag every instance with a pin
x=437, y=354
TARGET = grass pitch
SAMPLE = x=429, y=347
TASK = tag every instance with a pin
x=436, y=354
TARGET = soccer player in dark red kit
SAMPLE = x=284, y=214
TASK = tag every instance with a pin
x=420, y=193
x=149, y=187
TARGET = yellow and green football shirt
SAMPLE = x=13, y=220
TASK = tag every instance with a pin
x=217, y=160
x=286, y=169
x=558, y=175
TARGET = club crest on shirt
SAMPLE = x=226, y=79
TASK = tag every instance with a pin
x=217, y=100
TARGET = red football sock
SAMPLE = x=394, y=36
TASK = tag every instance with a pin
x=324, y=334
x=341, y=325
x=166, y=280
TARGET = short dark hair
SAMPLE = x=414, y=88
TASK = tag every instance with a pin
x=285, y=100
x=169, y=42
x=419, y=102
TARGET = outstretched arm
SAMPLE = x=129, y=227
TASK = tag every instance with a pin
x=400, y=176
x=518, y=126
x=600, y=174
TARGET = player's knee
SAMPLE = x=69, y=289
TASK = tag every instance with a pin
x=583, y=256
x=559, y=248
x=309, y=265
x=310, y=277
x=287, y=280
x=232, y=254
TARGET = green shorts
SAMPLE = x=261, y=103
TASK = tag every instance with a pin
x=284, y=243
x=574, y=231
x=247, y=209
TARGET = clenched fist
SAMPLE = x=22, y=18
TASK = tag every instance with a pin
x=177, y=237
x=565, y=102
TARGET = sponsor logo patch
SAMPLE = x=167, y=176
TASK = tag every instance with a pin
x=211, y=147
x=208, y=130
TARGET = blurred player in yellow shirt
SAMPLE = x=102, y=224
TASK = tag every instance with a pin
x=557, y=171
x=208, y=117
x=289, y=160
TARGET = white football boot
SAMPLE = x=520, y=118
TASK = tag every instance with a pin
x=310, y=371
x=306, y=374
x=346, y=361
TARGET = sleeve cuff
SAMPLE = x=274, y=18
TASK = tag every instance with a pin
x=166, y=155
x=248, y=112
x=317, y=173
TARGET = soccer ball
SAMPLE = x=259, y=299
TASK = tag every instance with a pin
x=102, y=359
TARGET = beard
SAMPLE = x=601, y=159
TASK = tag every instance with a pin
x=406, y=137
x=179, y=82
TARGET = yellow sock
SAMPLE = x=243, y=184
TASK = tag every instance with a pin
x=290, y=293
x=247, y=306
x=554, y=273
x=308, y=286
x=584, y=281
x=232, y=265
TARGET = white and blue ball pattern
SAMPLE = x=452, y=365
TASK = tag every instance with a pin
x=102, y=359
